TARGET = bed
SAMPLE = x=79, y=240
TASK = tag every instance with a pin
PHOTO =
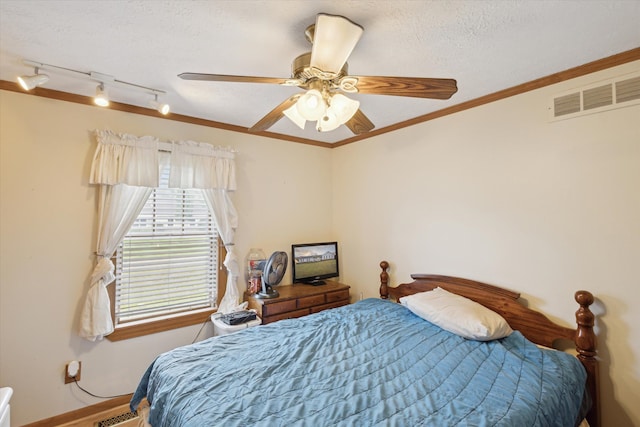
x=376, y=363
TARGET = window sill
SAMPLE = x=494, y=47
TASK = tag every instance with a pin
x=133, y=331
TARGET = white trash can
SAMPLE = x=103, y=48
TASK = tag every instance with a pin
x=5, y=408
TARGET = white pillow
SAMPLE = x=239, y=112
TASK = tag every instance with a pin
x=458, y=315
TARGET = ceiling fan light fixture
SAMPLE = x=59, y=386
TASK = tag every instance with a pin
x=344, y=108
x=311, y=105
x=29, y=82
x=328, y=122
x=102, y=97
x=293, y=115
x=334, y=38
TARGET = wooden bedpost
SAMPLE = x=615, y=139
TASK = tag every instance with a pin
x=384, y=280
x=586, y=347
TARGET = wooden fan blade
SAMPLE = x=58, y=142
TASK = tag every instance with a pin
x=415, y=87
x=359, y=123
x=229, y=78
x=274, y=115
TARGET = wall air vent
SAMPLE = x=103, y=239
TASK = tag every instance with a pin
x=619, y=92
x=600, y=96
x=567, y=104
x=628, y=90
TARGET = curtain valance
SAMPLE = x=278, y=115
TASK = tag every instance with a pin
x=136, y=161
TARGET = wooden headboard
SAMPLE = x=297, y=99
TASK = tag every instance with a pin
x=532, y=324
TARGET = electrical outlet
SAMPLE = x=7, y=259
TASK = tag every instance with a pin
x=72, y=371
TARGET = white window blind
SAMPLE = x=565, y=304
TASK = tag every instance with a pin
x=167, y=262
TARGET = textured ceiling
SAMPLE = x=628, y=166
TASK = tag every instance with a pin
x=486, y=46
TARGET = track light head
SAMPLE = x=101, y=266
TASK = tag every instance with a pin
x=164, y=109
x=102, y=97
x=160, y=107
x=29, y=82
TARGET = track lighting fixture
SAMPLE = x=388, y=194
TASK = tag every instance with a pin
x=160, y=107
x=29, y=82
x=101, y=98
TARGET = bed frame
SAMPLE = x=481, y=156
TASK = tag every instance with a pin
x=532, y=324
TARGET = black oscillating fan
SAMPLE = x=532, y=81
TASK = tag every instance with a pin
x=273, y=272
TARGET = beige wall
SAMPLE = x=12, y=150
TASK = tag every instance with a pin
x=47, y=235
x=496, y=193
x=500, y=194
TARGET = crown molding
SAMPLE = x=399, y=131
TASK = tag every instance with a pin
x=581, y=70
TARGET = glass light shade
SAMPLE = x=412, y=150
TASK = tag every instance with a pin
x=333, y=41
x=29, y=82
x=293, y=114
x=328, y=122
x=101, y=98
x=343, y=107
x=311, y=105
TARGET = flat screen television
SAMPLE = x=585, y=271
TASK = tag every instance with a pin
x=313, y=262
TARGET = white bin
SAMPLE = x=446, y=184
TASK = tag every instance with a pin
x=221, y=328
x=5, y=408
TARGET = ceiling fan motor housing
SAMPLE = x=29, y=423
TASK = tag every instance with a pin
x=301, y=69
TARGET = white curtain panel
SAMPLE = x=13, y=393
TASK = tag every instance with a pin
x=127, y=168
x=118, y=208
x=227, y=221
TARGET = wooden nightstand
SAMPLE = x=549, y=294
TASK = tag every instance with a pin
x=298, y=300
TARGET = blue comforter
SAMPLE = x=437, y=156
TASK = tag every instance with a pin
x=373, y=363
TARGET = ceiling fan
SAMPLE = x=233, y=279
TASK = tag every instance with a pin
x=323, y=73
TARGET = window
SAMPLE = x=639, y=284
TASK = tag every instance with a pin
x=167, y=265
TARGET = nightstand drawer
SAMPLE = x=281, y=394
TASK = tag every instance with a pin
x=311, y=301
x=338, y=296
x=279, y=307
